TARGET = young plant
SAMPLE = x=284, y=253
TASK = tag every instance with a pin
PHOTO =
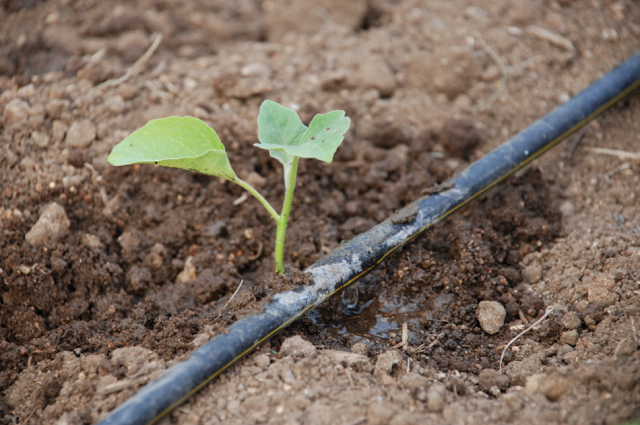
x=190, y=144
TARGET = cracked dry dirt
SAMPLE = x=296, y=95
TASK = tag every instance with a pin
x=135, y=264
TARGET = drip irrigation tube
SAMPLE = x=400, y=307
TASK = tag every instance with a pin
x=356, y=257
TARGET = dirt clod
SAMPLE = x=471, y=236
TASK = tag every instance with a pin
x=51, y=226
x=491, y=316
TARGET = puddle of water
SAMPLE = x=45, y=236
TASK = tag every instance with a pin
x=372, y=319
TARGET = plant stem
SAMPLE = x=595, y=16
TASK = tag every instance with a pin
x=284, y=215
x=260, y=198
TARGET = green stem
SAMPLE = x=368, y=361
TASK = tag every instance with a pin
x=260, y=198
x=284, y=215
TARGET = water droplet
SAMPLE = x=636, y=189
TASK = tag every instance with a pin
x=526, y=152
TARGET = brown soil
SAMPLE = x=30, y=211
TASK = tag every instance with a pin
x=151, y=256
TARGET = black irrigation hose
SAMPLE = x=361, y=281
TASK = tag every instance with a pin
x=356, y=257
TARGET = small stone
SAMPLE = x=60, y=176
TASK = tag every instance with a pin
x=26, y=92
x=256, y=180
x=567, y=209
x=569, y=337
x=571, y=321
x=491, y=316
x=188, y=273
x=360, y=348
x=532, y=274
x=52, y=224
x=435, y=398
x=494, y=391
x=56, y=106
x=115, y=104
x=92, y=241
x=27, y=163
x=262, y=361
x=81, y=134
x=41, y=140
x=600, y=286
x=296, y=346
x=256, y=70
x=74, y=180
x=386, y=361
x=58, y=131
x=16, y=110
x=581, y=305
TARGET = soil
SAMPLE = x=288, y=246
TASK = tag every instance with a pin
x=139, y=267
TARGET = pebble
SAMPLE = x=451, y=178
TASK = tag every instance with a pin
x=262, y=361
x=435, y=398
x=55, y=107
x=599, y=285
x=567, y=209
x=569, y=337
x=386, y=361
x=41, y=140
x=27, y=163
x=16, y=110
x=296, y=346
x=59, y=129
x=75, y=180
x=256, y=70
x=491, y=316
x=115, y=104
x=81, y=134
x=52, y=225
x=92, y=241
x=532, y=274
x=256, y=180
x=571, y=321
x=188, y=273
x=360, y=348
x=26, y=92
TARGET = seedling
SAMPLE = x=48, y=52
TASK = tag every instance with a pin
x=190, y=144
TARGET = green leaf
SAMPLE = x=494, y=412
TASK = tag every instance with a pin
x=283, y=134
x=186, y=143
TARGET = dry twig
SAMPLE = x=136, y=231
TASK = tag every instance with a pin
x=234, y=294
x=615, y=152
x=546, y=313
x=135, y=68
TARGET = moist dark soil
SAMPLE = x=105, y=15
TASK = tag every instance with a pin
x=143, y=265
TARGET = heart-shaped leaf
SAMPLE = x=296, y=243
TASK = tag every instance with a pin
x=187, y=143
x=283, y=134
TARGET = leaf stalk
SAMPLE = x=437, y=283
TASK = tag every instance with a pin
x=284, y=216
